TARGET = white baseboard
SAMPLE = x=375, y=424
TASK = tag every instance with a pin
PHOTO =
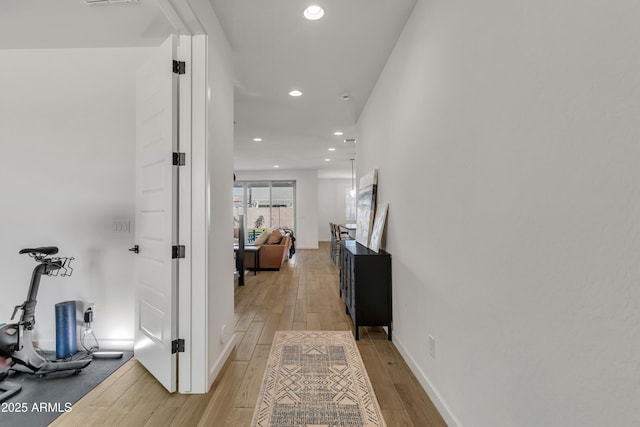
x=47, y=345
x=105, y=344
x=215, y=369
x=435, y=397
x=113, y=344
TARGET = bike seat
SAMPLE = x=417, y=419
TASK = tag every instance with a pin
x=45, y=250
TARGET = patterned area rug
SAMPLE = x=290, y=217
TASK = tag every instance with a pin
x=316, y=378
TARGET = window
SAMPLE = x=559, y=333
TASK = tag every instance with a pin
x=264, y=204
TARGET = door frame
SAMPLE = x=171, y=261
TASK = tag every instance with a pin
x=196, y=370
x=185, y=142
x=192, y=289
x=191, y=363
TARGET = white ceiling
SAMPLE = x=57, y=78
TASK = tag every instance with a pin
x=47, y=24
x=274, y=50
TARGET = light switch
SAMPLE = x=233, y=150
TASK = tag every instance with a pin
x=121, y=225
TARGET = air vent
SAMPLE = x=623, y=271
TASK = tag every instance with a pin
x=350, y=141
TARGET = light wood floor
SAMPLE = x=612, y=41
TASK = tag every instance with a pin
x=301, y=296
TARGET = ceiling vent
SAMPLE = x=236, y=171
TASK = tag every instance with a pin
x=350, y=141
x=92, y=2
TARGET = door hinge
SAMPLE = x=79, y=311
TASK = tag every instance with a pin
x=179, y=67
x=179, y=159
x=177, y=251
x=177, y=346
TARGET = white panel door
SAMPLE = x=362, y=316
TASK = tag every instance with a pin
x=156, y=214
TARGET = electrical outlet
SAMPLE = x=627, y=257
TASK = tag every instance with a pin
x=88, y=313
x=432, y=347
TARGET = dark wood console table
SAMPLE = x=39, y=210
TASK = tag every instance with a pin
x=365, y=285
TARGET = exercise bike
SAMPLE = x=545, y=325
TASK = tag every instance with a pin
x=16, y=339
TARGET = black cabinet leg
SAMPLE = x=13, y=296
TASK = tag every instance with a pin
x=389, y=334
x=357, y=333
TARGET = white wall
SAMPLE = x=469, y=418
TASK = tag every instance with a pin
x=67, y=120
x=220, y=186
x=331, y=205
x=306, y=200
x=515, y=154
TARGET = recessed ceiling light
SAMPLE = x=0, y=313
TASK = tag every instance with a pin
x=276, y=166
x=327, y=160
x=313, y=12
x=332, y=149
x=257, y=139
x=338, y=133
x=295, y=93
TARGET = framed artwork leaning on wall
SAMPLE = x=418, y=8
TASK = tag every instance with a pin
x=378, y=227
x=366, y=206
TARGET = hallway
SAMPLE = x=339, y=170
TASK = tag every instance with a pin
x=302, y=295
